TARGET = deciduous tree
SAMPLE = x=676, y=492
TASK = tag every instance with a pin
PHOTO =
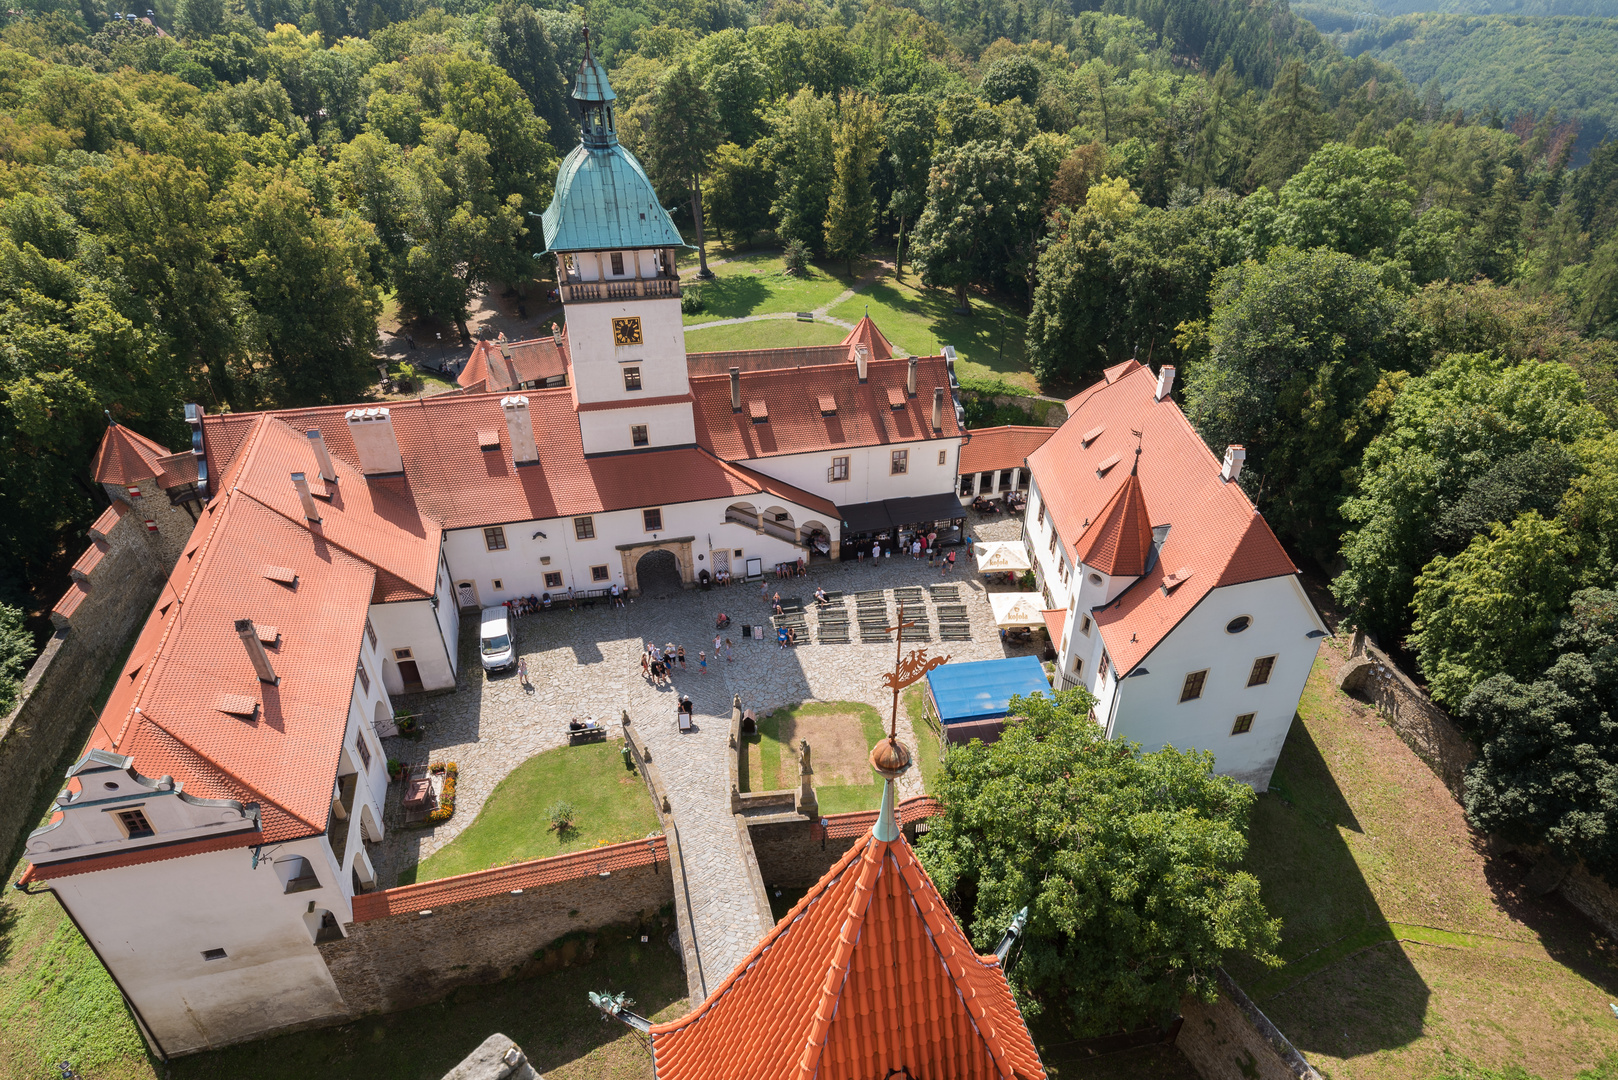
x=856, y=144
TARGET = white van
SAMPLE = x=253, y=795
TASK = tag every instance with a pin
x=497, y=640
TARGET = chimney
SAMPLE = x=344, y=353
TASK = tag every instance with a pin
x=1165, y=381
x=1234, y=456
x=910, y=379
x=317, y=442
x=520, y=425
x=862, y=356
x=310, y=509
x=255, y=650
x=735, y=389
x=372, y=432
x=938, y=407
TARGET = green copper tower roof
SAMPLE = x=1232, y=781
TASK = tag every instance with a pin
x=603, y=199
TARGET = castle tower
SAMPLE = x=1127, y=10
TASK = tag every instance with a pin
x=614, y=246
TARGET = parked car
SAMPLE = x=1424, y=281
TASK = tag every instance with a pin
x=497, y=639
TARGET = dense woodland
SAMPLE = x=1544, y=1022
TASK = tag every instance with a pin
x=1406, y=310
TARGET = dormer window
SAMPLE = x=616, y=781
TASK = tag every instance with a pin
x=135, y=825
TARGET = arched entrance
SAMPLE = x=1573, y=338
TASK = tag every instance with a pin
x=658, y=574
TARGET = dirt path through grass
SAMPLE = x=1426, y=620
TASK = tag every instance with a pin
x=1409, y=948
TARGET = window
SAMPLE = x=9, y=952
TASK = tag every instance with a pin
x=1106, y=665
x=598, y=573
x=966, y=484
x=1095, y=579
x=1053, y=541
x=901, y=461
x=364, y=678
x=1084, y=627
x=135, y=825
x=303, y=876
x=1261, y=671
x=499, y=586
x=637, y=435
x=370, y=632
x=213, y=954
x=365, y=753
x=1244, y=724
x=941, y=457
x=403, y=654
x=494, y=538
x=584, y=528
x=618, y=264
x=1039, y=518
x=738, y=553
x=1238, y=624
x=553, y=581
x=652, y=519
x=1078, y=667
x=631, y=378
x=1193, y=685
x=839, y=470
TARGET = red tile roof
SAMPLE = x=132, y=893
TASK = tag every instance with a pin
x=91, y=558
x=493, y=368
x=448, y=479
x=996, y=448
x=141, y=856
x=1215, y=532
x=865, y=333
x=127, y=457
x=798, y=423
x=478, y=884
x=1055, y=621
x=177, y=469
x=76, y=594
x=868, y=974
x=632, y=403
x=109, y=519
x=1118, y=542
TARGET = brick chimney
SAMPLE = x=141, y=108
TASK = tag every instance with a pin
x=910, y=378
x=735, y=389
x=311, y=509
x=372, y=432
x=520, y=426
x=317, y=443
x=255, y=650
x=862, y=356
x=1165, y=381
x=938, y=408
x=1234, y=456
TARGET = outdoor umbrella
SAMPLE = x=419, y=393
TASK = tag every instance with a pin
x=1017, y=609
x=1001, y=556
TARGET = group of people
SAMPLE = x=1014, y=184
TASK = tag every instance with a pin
x=658, y=663
x=787, y=570
x=527, y=605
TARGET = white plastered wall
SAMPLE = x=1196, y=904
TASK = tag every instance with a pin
x=598, y=360
x=609, y=431
x=870, y=471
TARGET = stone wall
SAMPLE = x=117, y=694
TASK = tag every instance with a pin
x=60, y=693
x=1042, y=412
x=1424, y=727
x=1232, y=1040
x=401, y=952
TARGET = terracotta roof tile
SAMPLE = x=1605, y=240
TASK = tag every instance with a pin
x=1214, y=531
x=720, y=363
x=109, y=519
x=632, y=403
x=868, y=973
x=996, y=448
x=501, y=365
x=127, y=457
x=866, y=333
x=449, y=480
x=91, y=559
x=177, y=470
x=1118, y=542
x=1055, y=621
x=797, y=409
x=76, y=594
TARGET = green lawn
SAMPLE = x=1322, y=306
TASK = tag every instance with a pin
x=764, y=334
x=756, y=285
x=772, y=767
x=1409, y=952
x=927, y=747
x=610, y=803
x=923, y=321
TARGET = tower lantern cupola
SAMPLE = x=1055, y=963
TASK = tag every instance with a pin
x=595, y=97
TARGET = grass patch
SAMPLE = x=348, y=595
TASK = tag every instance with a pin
x=756, y=285
x=779, y=763
x=1408, y=952
x=610, y=802
x=922, y=321
x=928, y=758
x=549, y=1016
x=764, y=334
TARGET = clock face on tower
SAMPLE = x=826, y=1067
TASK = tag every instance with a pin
x=626, y=331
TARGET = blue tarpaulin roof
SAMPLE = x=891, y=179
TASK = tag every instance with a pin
x=983, y=689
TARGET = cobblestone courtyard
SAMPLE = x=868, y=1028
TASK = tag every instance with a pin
x=586, y=664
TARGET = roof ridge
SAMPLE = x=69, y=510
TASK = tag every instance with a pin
x=837, y=968
x=264, y=800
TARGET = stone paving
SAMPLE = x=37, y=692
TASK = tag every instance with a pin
x=586, y=664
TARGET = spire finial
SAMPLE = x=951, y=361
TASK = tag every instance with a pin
x=586, y=43
x=1135, y=469
x=108, y=414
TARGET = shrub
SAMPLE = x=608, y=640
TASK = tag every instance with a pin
x=796, y=258
x=691, y=300
x=561, y=814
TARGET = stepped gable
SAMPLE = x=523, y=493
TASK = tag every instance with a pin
x=795, y=418
x=1215, y=535
x=996, y=448
x=452, y=482
x=868, y=974
x=865, y=333
x=127, y=457
x=1118, y=541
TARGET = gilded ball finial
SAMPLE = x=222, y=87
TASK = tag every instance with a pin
x=890, y=758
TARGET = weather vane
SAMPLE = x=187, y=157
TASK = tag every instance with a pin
x=906, y=669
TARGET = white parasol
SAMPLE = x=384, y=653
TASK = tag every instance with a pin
x=1017, y=609
x=999, y=556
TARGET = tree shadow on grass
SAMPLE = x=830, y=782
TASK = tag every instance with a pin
x=731, y=296
x=1564, y=931
x=1346, y=982
x=979, y=337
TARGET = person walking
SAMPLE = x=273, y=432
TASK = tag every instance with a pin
x=764, y=593
x=645, y=664
x=915, y=548
x=716, y=641
x=522, y=674
x=730, y=653
x=949, y=564
x=876, y=553
x=617, y=597
x=682, y=657
x=702, y=661
x=570, y=596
